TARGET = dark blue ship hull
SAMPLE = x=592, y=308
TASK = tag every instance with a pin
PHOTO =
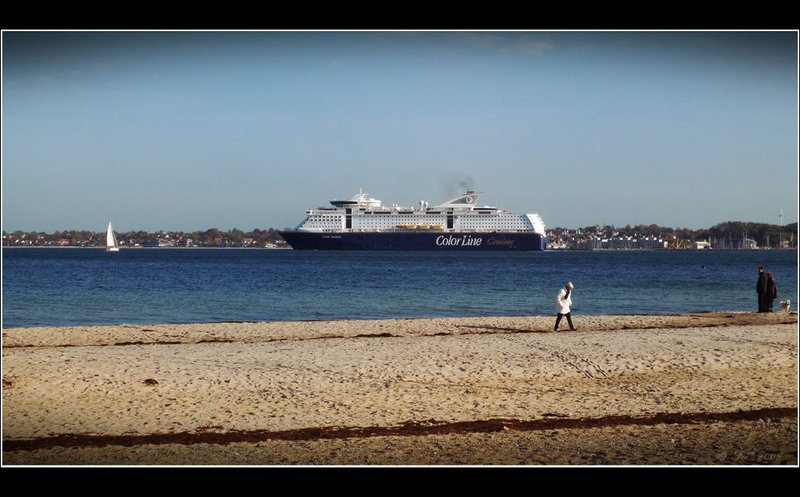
x=436, y=240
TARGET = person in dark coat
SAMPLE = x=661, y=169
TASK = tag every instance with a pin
x=761, y=290
x=772, y=291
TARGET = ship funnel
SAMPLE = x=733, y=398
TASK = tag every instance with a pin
x=465, y=201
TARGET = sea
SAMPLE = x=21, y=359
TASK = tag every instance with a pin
x=85, y=286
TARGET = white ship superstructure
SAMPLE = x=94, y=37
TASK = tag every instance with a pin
x=459, y=215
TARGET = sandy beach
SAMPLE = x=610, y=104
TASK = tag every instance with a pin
x=694, y=389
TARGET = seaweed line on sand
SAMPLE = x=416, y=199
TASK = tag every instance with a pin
x=416, y=428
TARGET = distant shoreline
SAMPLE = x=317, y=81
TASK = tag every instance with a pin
x=790, y=249
x=139, y=248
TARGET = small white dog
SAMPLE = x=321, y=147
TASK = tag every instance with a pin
x=785, y=305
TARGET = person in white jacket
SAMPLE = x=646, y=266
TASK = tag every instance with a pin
x=564, y=300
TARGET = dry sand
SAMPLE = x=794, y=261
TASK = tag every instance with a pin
x=695, y=389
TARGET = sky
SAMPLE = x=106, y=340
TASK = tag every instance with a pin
x=191, y=130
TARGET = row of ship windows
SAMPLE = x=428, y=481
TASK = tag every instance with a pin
x=495, y=221
x=363, y=224
x=415, y=216
x=381, y=218
x=513, y=222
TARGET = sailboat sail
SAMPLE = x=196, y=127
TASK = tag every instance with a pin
x=111, y=240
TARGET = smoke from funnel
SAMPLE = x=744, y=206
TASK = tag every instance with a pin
x=456, y=185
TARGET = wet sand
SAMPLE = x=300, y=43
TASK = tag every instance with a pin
x=694, y=389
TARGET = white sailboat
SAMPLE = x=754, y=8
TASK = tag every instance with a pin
x=111, y=240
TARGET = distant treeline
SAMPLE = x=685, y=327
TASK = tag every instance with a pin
x=765, y=235
x=212, y=237
x=720, y=235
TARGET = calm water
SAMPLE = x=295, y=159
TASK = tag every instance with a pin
x=59, y=287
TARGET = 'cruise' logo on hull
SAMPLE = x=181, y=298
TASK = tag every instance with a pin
x=500, y=241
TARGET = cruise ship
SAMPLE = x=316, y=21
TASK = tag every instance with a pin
x=363, y=223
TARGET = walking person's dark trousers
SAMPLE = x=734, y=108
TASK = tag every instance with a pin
x=569, y=320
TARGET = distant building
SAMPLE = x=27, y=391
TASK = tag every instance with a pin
x=651, y=243
x=703, y=245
